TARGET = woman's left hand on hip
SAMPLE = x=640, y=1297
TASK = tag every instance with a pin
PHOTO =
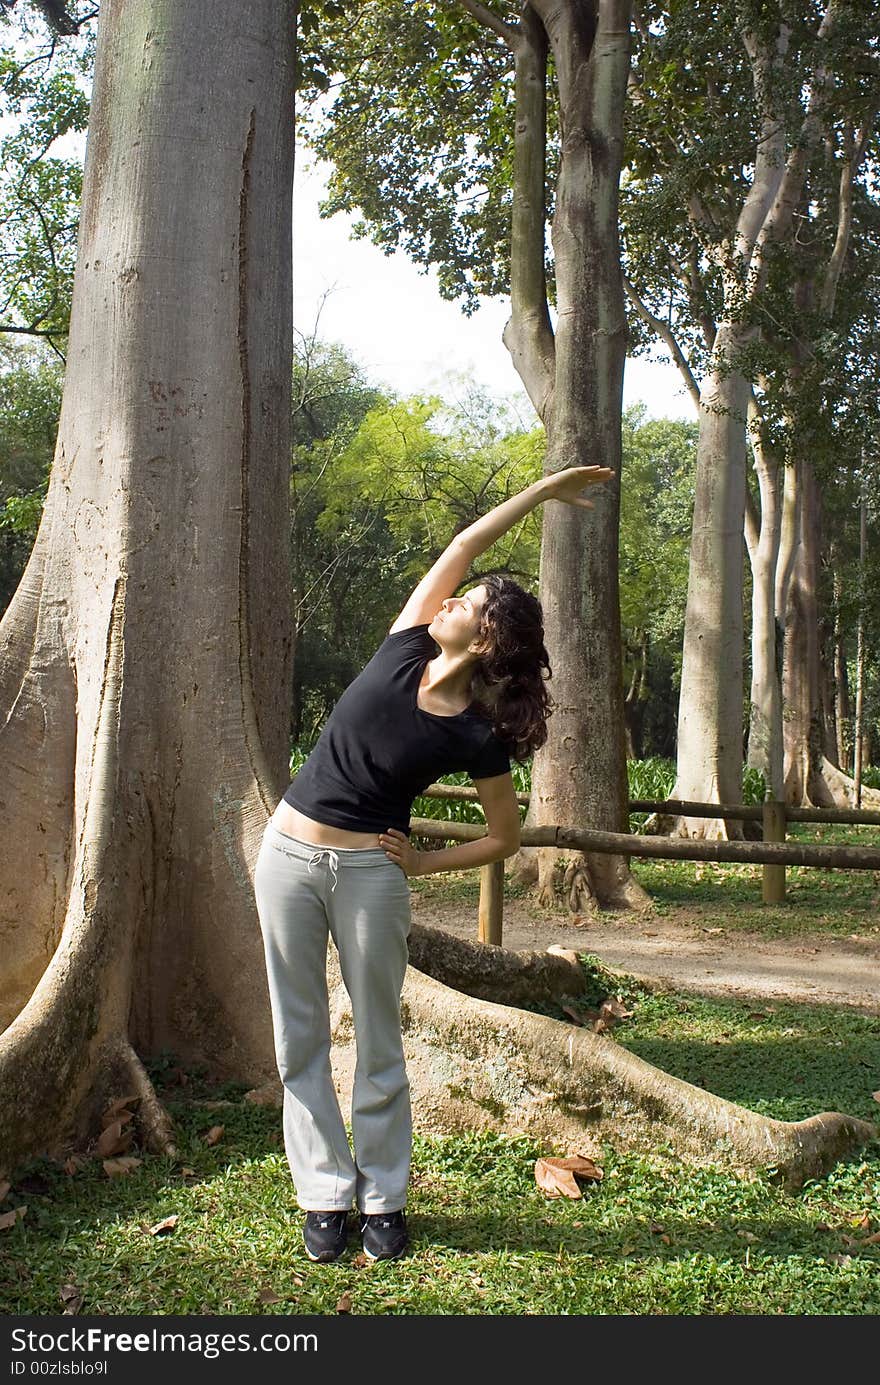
x=397, y=848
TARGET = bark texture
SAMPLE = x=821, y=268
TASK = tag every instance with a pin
x=145, y=656
x=575, y=381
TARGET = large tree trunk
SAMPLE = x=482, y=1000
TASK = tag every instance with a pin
x=145, y=666
x=580, y=775
x=710, y=731
x=810, y=777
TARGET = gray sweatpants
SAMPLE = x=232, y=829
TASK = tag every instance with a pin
x=362, y=899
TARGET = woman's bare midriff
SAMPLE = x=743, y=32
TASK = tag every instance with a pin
x=290, y=820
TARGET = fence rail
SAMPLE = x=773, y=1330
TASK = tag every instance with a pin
x=774, y=853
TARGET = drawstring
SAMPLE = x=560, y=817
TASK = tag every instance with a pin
x=334, y=862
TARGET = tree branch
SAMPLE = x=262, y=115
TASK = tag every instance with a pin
x=508, y=32
x=854, y=151
x=528, y=335
x=666, y=334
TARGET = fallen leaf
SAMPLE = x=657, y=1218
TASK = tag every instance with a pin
x=876, y=1096
x=615, y=1008
x=656, y=1229
x=556, y=1177
x=871, y=1240
x=360, y=1260
x=555, y=1182
x=10, y=1218
x=214, y=1135
x=116, y=1110
x=113, y=1140
x=72, y=1298
x=115, y=1168
x=298, y=1280
x=268, y=1296
x=576, y=1015
x=344, y=1304
x=167, y=1224
x=187, y=1173
x=666, y=1239
x=840, y=1259
x=74, y=1163
x=261, y=1096
x=863, y=1221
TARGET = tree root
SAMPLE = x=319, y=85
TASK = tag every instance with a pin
x=155, y=1124
x=841, y=788
x=494, y=973
x=475, y=1064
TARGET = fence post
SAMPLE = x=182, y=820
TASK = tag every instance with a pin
x=489, y=924
x=774, y=831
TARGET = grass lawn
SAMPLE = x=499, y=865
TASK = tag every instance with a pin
x=655, y=1237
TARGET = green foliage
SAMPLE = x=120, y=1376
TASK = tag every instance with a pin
x=651, y=779
x=30, y=402
x=421, y=145
x=44, y=83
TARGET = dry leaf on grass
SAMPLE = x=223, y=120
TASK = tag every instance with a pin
x=344, y=1304
x=557, y=1177
x=876, y=1096
x=261, y=1096
x=74, y=1163
x=360, y=1260
x=72, y=1298
x=214, y=1135
x=167, y=1224
x=268, y=1296
x=116, y=1168
x=187, y=1172
x=10, y=1218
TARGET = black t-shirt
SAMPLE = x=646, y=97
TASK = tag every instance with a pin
x=379, y=750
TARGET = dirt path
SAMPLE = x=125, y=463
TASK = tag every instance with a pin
x=809, y=968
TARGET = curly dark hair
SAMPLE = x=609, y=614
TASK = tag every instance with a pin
x=509, y=680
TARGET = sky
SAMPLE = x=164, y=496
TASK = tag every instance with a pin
x=392, y=319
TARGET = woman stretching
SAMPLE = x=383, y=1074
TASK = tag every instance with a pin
x=336, y=856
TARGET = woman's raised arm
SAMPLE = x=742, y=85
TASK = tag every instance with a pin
x=450, y=569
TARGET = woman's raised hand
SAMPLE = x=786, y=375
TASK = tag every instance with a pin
x=567, y=485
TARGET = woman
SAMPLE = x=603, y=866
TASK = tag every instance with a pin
x=336, y=856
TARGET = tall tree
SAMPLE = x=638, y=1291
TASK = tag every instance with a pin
x=735, y=198
x=435, y=170
x=144, y=668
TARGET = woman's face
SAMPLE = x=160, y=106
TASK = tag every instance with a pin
x=457, y=624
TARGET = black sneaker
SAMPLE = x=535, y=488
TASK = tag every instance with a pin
x=325, y=1235
x=384, y=1234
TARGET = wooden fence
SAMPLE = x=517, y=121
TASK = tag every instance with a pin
x=773, y=852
